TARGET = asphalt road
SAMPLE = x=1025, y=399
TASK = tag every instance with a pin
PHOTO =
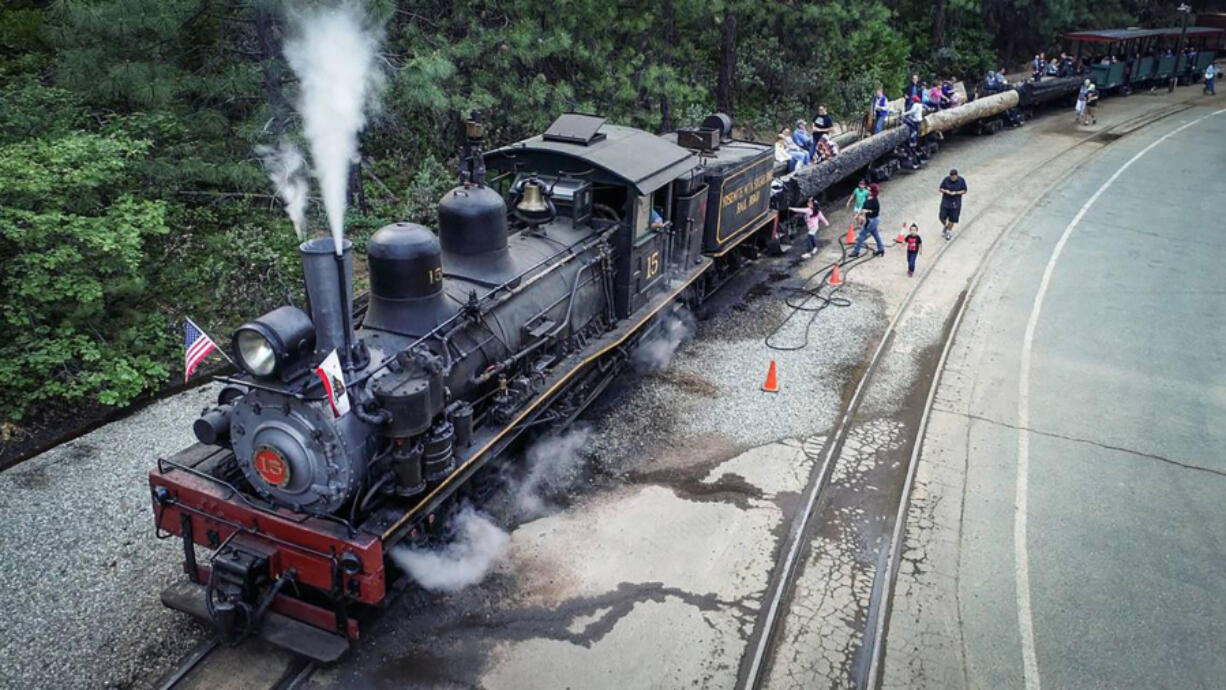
x=1070, y=528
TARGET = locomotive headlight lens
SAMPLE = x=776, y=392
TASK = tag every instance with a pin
x=255, y=352
x=265, y=346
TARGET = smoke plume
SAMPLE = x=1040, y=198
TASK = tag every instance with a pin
x=656, y=350
x=334, y=55
x=552, y=464
x=287, y=170
x=476, y=546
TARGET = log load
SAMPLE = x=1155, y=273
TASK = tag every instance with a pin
x=979, y=109
x=806, y=182
x=1033, y=94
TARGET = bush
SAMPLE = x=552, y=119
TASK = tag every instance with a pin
x=74, y=278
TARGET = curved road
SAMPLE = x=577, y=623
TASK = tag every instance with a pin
x=1069, y=524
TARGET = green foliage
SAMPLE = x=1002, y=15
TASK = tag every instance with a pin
x=76, y=242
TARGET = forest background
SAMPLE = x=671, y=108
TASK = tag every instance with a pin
x=131, y=194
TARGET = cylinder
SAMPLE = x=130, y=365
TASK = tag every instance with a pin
x=721, y=123
x=472, y=220
x=438, y=459
x=462, y=419
x=324, y=293
x=213, y=427
x=406, y=460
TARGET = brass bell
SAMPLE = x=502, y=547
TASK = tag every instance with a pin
x=531, y=200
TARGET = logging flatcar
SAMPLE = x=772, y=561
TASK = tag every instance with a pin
x=514, y=316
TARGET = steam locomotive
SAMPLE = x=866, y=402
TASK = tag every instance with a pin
x=553, y=257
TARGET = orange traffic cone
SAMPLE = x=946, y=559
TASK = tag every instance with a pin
x=902, y=234
x=835, y=278
x=851, y=234
x=772, y=379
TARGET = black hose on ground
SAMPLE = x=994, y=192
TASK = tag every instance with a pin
x=814, y=294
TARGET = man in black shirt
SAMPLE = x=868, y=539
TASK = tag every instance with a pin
x=823, y=125
x=952, y=189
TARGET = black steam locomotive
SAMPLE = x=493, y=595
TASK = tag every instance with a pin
x=552, y=258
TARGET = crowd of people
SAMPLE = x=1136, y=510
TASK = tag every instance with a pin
x=1063, y=66
x=865, y=201
x=810, y=143
x=807, y=144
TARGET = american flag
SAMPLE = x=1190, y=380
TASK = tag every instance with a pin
x=196, y=346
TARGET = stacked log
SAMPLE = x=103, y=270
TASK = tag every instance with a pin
x=945, y=120
x=809, y=181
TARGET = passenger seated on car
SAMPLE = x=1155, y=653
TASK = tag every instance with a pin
x=936, y=98
x=827, y=149
x=802, y=138
x=787, y=151
x=952, y=99
x=913, y=118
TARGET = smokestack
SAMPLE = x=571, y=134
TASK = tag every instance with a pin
x=330, y=295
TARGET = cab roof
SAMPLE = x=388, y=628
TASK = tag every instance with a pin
x=585, y=144
x=1117, y=35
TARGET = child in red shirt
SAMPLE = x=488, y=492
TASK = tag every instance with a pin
x=914, y=242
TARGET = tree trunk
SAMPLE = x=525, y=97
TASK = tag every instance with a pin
x=666, y=52
x=266, y=34
x=725, y=92
x=938, y=24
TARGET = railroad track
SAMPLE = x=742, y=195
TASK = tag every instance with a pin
x=871, y=655
x=214, y=665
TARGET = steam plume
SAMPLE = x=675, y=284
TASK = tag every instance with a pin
x=477, y=545
x=333, y=55
x=552, y=463
x=656, y=350
x=286, y=168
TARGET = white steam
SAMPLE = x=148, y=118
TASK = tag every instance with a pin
x=476, y=548
x=552, y=464
x=656, y=350
x=477, y=544
x=334, y=55
x=287, y=170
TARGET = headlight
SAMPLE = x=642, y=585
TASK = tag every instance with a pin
x=255, y=351
x=265, y=346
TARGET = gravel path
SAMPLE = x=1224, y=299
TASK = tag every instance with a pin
x=81, y=573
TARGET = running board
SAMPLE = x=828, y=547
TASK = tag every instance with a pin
x=276, y=629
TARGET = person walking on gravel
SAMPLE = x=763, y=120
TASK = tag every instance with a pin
x=914, y=244
x=872, y=209
x=952, y=190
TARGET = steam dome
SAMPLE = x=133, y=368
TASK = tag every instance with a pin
x=472, y=220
